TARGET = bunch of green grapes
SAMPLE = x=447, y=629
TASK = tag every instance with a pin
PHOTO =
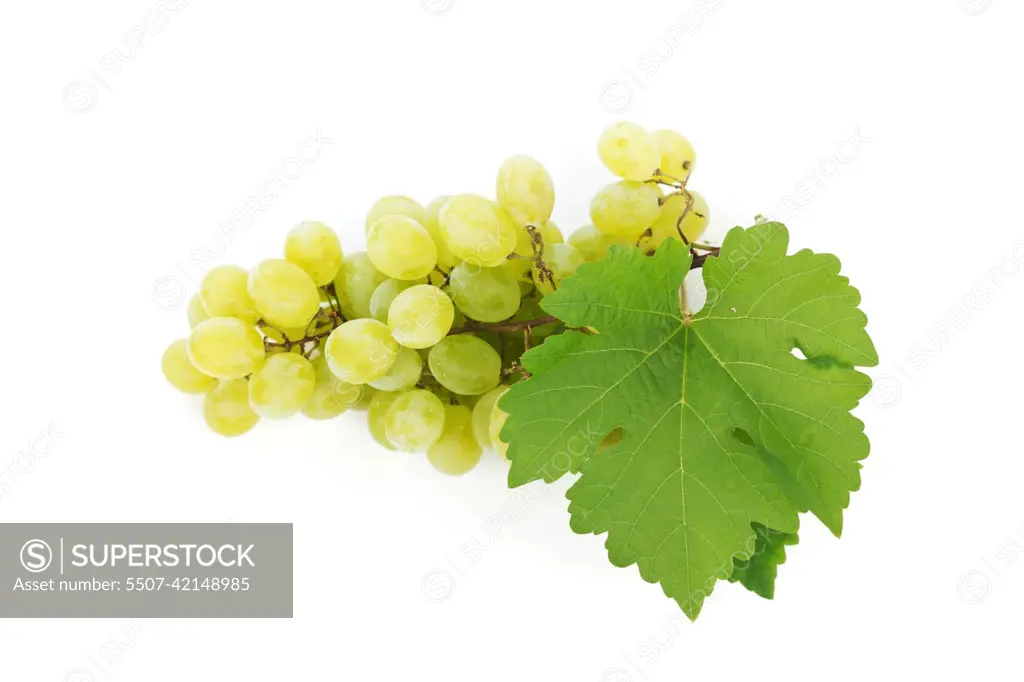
x=425, y=329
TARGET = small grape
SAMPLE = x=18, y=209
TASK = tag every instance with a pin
x=331, y=396
x=593, y=244
x=525, y=190
x=465, y=364
x=677, y=155
x=375, y=415
x=482, y=412
x=625, y=209
x=629, y=151
x=226, y=408
x=393, y=205
x=283, y=293
x=421, y=316
x=562, y=261
x=477, y=230
x=550, y=233
x=446, y=260
x=196, y=312
x=414, y=421
x=484, y=294
x=359, y=351
x=385, y=294
x=315, y=248
x=225, y=347
x=695, y=222
x=224, y=293
x=457, y=451
x=281, y=386
x=355, y=283
x=401, y=248
x=181, y=373
x=498, y=419
x=403, y=374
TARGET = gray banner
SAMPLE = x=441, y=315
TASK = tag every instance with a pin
x=145, y=570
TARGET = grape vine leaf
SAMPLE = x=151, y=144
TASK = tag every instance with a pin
x=723, y=425
x=758, y=572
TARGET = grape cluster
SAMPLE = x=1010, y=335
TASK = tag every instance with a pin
x=424, y=330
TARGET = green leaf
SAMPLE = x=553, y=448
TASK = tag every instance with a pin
x=723, y=426
x=758, y=573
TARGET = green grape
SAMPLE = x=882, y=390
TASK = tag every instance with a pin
x=695, y=222
x=458, y=451
x=283, y=293
x=414, y=421
x=385, y=293
x=359, y=351
x=562, y=261
x=315, y=248
x=366, y=396
x=593, y=244
x=181, y=373
x=446, y=260
x=225, y=347
x=629, y=151
x=625, y=209
x=224, y=293
x=497, y=421
x=550, y=233
x=281, y=335
x=525, y=190
x=677, y=155
x=464, y=364
x=226, y=408
x=484, y=294
x=375, y=415
x=531, y=310
x=403, y=374
x=331, y=396
x=281, y=386
x=421, y=316
x=477, y=230
x=356, y=281
x=482, y=412
x=196, y=312
x=401, y=248
x=393, y=205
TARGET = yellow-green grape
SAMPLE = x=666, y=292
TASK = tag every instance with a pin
x=226, y=408
x=550, y=233
x=464, y=364
x=414, y=421
x=498, y=419
x=394, y=205
x=365, y=398
x=280, y=335
x=225, y=347
x=562, y=261
x=482, y=412
x=695, y=222
x=376, y=411
x=445, y=258
x=181, y=373
x=593, y=243
x=359, y=351
x=224, y=293
x=629, y=151
x=315, y=248
x=331, y=396
x=403, y=374
x=283, y=293
x=458, y=451
x=281, y=386
x=477, y=230
x=356, y=281
x=625, y=209
x=401, y=248
x=196, y=312
x=677, y=155
x=385, y=293
x=525, y=190
x=484, y=294
x=421, y=316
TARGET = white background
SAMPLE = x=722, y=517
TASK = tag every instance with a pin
x=111, y=183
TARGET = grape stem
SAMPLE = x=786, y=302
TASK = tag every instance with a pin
x=504, y=326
